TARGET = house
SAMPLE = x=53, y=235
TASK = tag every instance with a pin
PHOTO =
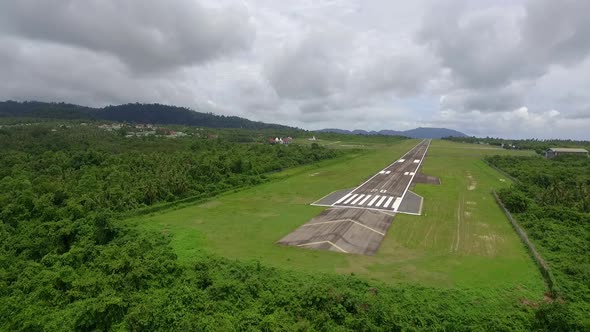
x=280, y=140
x=554, y=152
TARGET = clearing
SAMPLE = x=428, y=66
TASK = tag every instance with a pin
x=462, y=238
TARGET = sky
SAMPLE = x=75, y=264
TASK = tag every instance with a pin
x=502, y=68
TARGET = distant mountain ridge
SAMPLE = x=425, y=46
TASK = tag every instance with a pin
x=413, y=133
x=133, y=113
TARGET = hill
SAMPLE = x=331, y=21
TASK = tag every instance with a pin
x=412, y=133
x=134, y=113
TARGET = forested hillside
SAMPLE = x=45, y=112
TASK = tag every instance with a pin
x=552, y=202
x=133, y=113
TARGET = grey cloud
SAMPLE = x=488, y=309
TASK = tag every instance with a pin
x=333, y=104
x=491, y=47
x=311, y=65
x=148, y=35
x=485, y=100
x=311, y=68
x=556, y=32
x=574, y=106
x=50, y=72
x=403, y=75
x=579, y=115
x=481, y=49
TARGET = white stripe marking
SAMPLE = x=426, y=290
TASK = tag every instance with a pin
x=329, y=242
x=324, y=222
x=387, y=172
x=388, y=202
x=402, y=160
x=341, y=199
x=406, y=173
x=367, y=227
x=382, y=172
x=412, y=173
x=357, y=199
x=350, y=199
x=364, y=200
x=362, y=184
x=396, y=204
x=373, y=200
x=416, y=161
x=410, y=182
x=380, y=201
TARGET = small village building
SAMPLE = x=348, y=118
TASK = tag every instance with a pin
x=554, y=152
x=280, y=140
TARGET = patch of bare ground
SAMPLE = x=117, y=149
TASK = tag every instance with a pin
x=472, y=183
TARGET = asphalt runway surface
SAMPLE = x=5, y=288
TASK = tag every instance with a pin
x=386, y=189
x=358, y=219
x=351, y=231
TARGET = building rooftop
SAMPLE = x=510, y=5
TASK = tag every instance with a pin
x=571, y=150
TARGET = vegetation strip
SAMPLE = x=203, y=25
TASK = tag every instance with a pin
x=544, y=268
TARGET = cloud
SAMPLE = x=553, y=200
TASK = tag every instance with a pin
x=52, y=72
x=556, y=32
x=146, y=35
x=484, y=100
x=311, y=67
x=399, y=75
x=507, y=68
x=488, y=47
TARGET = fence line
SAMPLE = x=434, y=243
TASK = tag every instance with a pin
x=515, y=180
x=543, y=267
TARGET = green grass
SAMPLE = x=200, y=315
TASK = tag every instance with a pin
x=462, y=240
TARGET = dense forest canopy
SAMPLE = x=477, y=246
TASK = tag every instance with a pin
x=552, y=202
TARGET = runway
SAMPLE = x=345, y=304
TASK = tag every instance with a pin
x=386, y=189
x=358, y=219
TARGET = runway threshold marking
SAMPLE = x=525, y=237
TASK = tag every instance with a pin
x=373, y=200
x=357, y=199
x=396, y=204
x=342, y=198
x=380, y=201
x=320, y=242
x=388, y=202
x=364, y=200
x=371, y=178
x=350, y=199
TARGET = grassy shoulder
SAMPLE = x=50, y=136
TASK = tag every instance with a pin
x=463, y=240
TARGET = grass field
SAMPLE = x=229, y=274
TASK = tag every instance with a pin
x=462, y=240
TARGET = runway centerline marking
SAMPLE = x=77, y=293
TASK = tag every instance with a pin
x=371, y=178
x=412, y=179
